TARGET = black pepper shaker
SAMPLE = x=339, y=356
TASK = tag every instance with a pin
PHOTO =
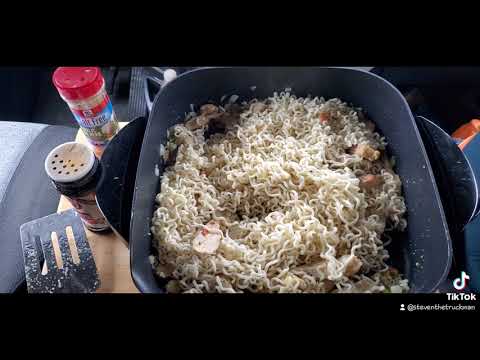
x=75, y=173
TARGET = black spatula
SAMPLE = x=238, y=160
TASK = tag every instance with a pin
x=55, y=262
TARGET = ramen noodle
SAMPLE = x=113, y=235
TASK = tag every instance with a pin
x=287, y=194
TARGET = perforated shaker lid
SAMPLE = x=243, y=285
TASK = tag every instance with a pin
x=69, y=162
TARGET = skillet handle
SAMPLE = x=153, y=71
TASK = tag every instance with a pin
x=455, y=177
x=119, y=163
x=154, y=79
x=455, y=180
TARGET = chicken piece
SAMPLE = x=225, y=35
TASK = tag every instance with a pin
x=258, y=107
x=209, y=109
x=352, y=264
x=370, y=181
x=365, y=151
x=324, y=116
x=208, y=239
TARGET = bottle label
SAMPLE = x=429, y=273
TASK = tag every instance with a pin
x=99, y=123
x=87, y=209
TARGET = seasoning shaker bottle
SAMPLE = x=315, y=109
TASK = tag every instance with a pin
x=83, y=89
x=75, y=173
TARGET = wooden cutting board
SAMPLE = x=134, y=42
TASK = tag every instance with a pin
x=109, y=251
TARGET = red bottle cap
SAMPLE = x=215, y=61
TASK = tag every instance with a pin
x=75, y=83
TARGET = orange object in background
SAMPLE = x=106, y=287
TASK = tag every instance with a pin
x=465, y=133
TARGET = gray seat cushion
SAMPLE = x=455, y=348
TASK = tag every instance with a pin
x=16, y=138
x=26, y=193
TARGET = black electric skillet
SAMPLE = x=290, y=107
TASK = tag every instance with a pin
x=423, y=252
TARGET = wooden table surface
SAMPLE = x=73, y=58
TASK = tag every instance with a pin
x=110, y=253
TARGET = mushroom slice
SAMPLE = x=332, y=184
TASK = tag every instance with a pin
x=352, y=264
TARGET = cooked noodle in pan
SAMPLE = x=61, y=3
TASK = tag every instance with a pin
x=286, y=194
